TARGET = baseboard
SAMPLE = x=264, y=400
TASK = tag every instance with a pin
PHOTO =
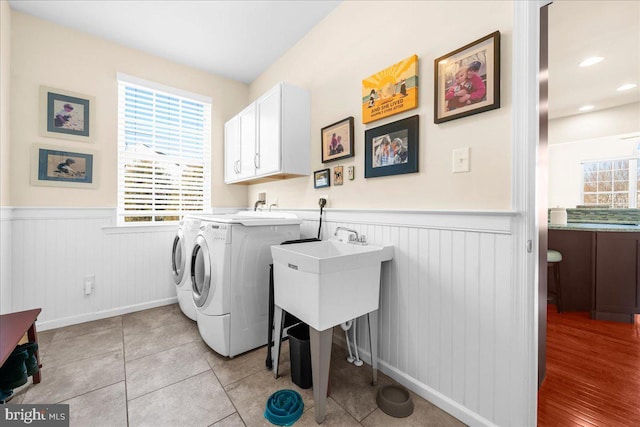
x=88, y=317
x=438, y=399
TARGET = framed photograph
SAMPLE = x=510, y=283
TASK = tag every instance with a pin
x=322, y=178
x=467, y=80
x=390, y=91
x=337, y=175
x=61, y=167
x=392, y=149
x=66, y=115
x=337, y=140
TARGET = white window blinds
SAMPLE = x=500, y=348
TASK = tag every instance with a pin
x=164, y=152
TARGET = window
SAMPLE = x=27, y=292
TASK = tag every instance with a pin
x=164, y=152
x=613, y=183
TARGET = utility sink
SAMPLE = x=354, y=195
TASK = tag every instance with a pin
x=328, y=282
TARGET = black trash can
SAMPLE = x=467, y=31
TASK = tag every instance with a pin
x=300, y=355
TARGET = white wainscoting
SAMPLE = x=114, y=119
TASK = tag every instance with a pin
x=447, y=298
x=54, y=249
x=446, y=306
x=5, y=259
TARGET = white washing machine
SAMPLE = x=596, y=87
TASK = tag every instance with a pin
x=230, y=277
x=183, y=242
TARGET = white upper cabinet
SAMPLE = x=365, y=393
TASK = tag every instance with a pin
x=273, y=137
x=269, y=127
x=232, y=149
x=247, y=142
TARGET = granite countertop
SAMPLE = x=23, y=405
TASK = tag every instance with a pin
x=587, y=226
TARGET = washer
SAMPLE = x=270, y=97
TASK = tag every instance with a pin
x=183, y=242
x=230, y=277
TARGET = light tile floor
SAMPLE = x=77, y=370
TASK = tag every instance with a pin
x=151, y=368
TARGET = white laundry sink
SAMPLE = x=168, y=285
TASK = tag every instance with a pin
x=329, y=282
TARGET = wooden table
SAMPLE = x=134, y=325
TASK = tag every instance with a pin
x=12, y=328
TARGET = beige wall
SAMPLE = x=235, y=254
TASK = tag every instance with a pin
x=361, y=38
x=565, y=165
x=5, y=58
x=603, y=123
x=43, y=53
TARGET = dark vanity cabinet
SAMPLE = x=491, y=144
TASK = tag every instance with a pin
x=617, y=277
x=600, y=272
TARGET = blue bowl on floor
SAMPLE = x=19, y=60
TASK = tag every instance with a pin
x=284, y=407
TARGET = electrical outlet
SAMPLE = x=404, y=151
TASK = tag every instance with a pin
x=89, y=284
x=274, y=202
x=325, y=197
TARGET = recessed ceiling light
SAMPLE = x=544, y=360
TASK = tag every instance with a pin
x=627, y=86
x=586, y=108
x=590, y=61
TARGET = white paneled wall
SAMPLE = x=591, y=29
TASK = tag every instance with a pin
x=53, y=250
x=445, y=309
x=447, y=298
x=5, y=259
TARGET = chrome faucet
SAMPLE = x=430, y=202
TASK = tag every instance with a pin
x=258, y=203
x=348, y=230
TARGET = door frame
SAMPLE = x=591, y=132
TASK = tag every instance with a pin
x=524, y=197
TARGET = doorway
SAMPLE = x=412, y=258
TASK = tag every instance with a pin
x=587, y=369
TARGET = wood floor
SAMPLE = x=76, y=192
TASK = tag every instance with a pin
x=593, y=372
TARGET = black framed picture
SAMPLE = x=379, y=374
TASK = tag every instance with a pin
x=322, y=178
x=337, y=140
x=467, y=80
x=66, y=115
x=392, y=149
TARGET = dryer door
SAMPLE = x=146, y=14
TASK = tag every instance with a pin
x=200, y=271
x=178, y=258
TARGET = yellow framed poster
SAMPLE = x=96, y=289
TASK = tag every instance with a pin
x=390, y=91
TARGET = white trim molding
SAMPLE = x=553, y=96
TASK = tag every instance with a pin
x=523, y=367
x=88, y=317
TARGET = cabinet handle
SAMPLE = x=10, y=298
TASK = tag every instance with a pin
x=236, y=166
x=256, y=161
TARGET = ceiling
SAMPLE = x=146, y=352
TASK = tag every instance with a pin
x=235, y=39
x=241, y=39
x=581, y=29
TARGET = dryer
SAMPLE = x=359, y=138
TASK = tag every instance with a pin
x=183, y=241
x=230, y=278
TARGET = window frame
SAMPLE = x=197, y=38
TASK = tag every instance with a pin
x=633, y=178
x=202, y=158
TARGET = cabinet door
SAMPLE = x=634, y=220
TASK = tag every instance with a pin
x=269, y=119
x=575, y=268
x=617, y=273
x=232, y=150
x=247, y=118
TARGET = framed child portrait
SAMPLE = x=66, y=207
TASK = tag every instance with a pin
x=467, y=80
x=66, y=115
x=337, y=140
x=61, y=167
x=392, y=149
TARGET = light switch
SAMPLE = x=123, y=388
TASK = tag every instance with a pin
x=460, y=160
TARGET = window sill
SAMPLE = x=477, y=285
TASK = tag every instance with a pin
x=149, y=228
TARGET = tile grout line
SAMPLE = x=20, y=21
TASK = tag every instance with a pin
x=88, y=392
x=53, y=339
x=225, y=393
x=163, y=350
x=124, y=366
